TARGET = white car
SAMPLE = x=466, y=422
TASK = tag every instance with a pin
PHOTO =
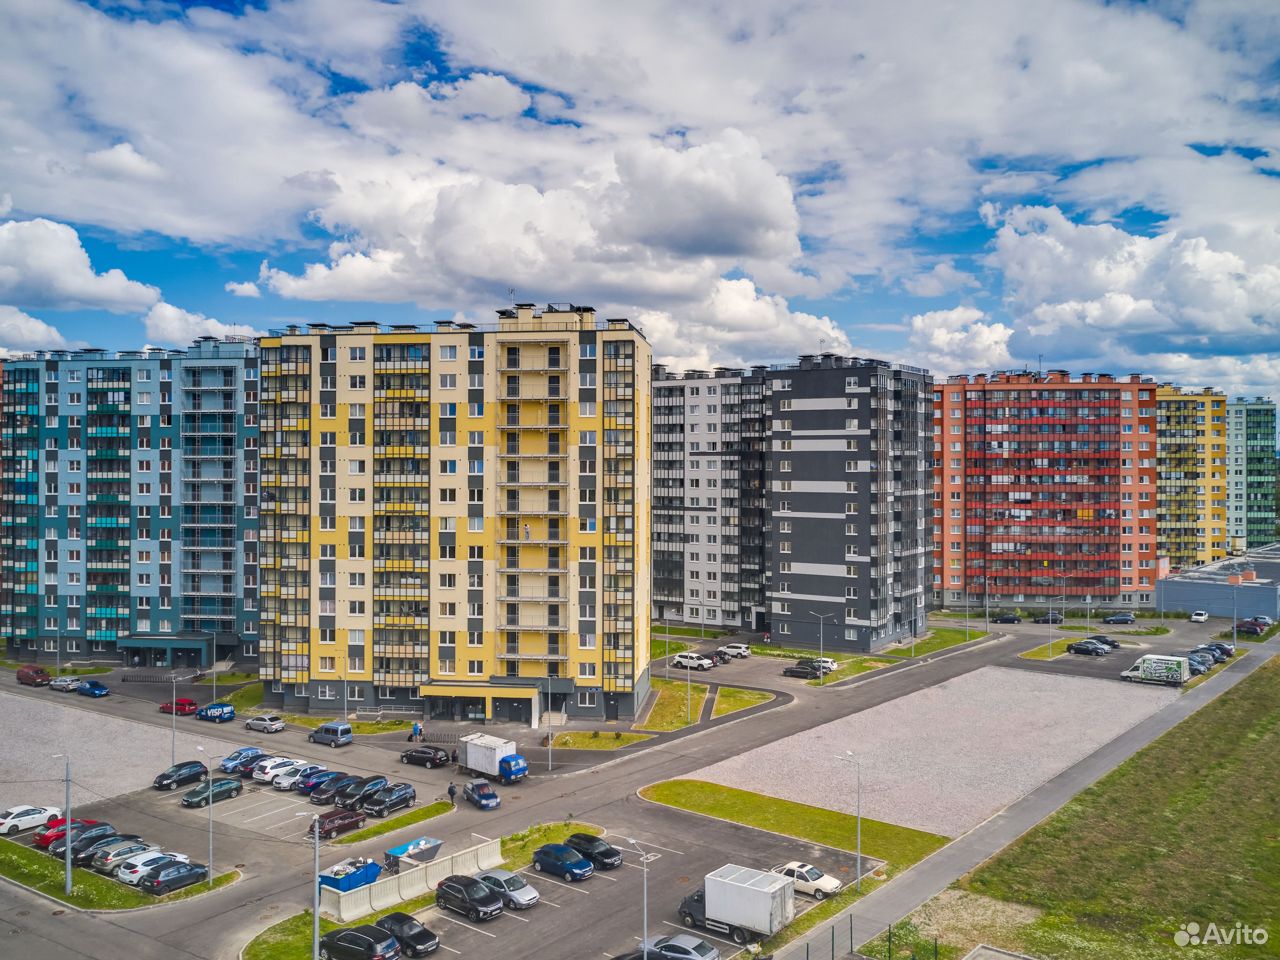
x=24, y=818
x=135, y=868
x=1264, y=620
x=268, y=723
x=736, y=649
x=268, y=771
x=692, y=661
x=826, y=663
x=289, y=779
x=1200, y=616
x=809, y=879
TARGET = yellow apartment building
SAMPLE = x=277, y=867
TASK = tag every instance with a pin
x=455, y=521
x=1191, y=476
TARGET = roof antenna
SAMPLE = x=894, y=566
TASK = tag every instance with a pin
x=511, y=295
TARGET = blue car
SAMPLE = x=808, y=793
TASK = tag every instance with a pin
x=563, y=861
x=92, y=688
x=481, y=794
x=234, y=758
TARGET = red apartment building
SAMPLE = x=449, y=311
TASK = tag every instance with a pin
x=1044, y=487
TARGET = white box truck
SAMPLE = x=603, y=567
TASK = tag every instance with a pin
x=1153, y=668
x=491, y=757
x=741, y=902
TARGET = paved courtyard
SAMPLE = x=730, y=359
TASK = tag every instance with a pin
x=946, y=758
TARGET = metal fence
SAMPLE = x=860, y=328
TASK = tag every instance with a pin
x=831, y=941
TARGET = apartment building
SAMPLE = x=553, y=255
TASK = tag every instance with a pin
x=130, y=484
x=1191, y=455
x=456, y=520
x=709, y=450
x=1045, y=487
x=849, y=490
x=1251, y=474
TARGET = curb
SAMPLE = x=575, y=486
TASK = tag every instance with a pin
x=122, y=910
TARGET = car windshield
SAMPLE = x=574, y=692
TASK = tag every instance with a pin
x=813, y=873
x=474, y=888
x=484, y=790
x=702, y=948
x=514, y=883
x=592, y=843
x=410, y=927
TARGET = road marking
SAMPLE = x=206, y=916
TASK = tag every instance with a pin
x=679, y=853
x=508, y=913
x=445, y=916
x=269, y=813
x=548, y=902
x=701, y=933
x=450, y=949
x=597, y=873
x=243, y=807
x=485, y=839
x=558, y=883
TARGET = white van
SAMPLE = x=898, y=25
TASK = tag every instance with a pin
x=1173, y=671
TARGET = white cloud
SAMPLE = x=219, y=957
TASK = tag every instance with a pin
x=20, y=332
x=173, y=326
x=245, y=288
x=42, y=264
x=6, y=204
x=943, y=278
x=958, y=340
x=123, y=161
x=483, y=95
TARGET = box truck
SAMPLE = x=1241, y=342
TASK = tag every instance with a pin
x=1153, y=668
x=491, y=757
x=741, y=902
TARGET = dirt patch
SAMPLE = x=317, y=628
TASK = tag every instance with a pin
x=965, y=920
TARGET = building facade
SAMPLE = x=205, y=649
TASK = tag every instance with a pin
x=1045, y=487
x=1251, y=474
x=456, y=521
x=1191, y=454
x=709, y=451
x=130, y=482
x=849, y=490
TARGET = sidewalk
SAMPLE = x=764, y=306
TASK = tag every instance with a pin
x=874, y=913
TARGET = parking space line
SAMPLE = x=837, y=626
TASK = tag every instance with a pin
x=558, y=883
x=508, y=913
x=548, y=902
x=269, y=813
x=445, y=916
x=259, y=803
x=679, y=853
x=450, y=949
x=597, y=873
x=701, y=933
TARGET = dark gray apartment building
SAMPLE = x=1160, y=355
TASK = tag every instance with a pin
x=849, y=500
x=709, y=452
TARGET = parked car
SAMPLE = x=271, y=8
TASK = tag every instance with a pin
x=818, y=663
x=107, y=859
x=332, y=734
x=267, y=723
x=718, y=657
x=365, y=942
x=57, y=830
x=353, y=795
x=136, y=867
x=309, y=783
x=468, y=896
x=414, y=939
x=230, y=761
x=1226, y=646
x=85, y=849
x=511, y=887
x=1211, y=651
x=24, y=818
x=1053, y=617
x=737, y=649
x=33, y=676
x=804, y=673
x=1199, y=616
x=1249, y=628
x=291, y=780
x=183, y=707
x=65, y=684
x=692, y=661
x=563, y=861
x=180, y=774
x=1264, y=620
x=86, y=836
x=92, y=688
x=425, y=756
x=1006, y=618
x=212, y=790
x=216, y=712
x=173, y=876
x=244, y=769
x=1105, y=640
x=809, y=879
x=333, y=822
x=1120, y=618
x=481, y=794
x=389, y=798
x=1088, y=648
x=268, y=770
x=601, y=855
x=328, y=791
x=1198, y=665
x=680, y=946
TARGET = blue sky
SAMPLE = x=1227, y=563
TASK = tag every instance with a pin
x=967, y=189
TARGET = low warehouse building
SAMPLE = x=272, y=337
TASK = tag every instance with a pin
x=1241, y=587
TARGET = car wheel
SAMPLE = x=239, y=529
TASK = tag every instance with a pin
x=687, y=919
x=819, y=895
x=311, y=739
x=334, y=743
x=12, y=830
x=324, y=953
x=739, y=936
x=329, y=835
x=537, y=866
x=235, y=792
x=204, y=777
x=203, y=803
x=473, y=915
x=404, y=759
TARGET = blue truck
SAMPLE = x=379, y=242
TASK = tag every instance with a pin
x=491, y=757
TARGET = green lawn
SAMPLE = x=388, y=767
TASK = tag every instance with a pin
x=850, y=668
x=939, y=638
x=230, y=678
x=517, y=849
x=247, y=699
x=1042, y=652
x=733, y=699
x=377, y=828
x=672, y=708
x=1226, y=635
x=661, y=647
x=598, y=739
x=791, y=653
x=710, y=633
x=1216, y=668
x=65, y=671
x=357, y=726
x=1119, y=869
x=1153, y=631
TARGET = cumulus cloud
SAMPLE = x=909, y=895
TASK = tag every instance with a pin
x=958, y=340
x=124, y=161
x=42, y=264
x=173, y=326
x=245, y=288
x=943, y=278
x=20, y=332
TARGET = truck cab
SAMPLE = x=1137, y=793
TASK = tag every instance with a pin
x=513, y=768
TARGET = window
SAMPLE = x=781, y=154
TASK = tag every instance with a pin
x=586, y=671
x=357, y=382
x=448, y=381
x=475, y=668
x=586, y=698
x=328, y=664
x=356, y=467
x=448, y=353
x=357, y=353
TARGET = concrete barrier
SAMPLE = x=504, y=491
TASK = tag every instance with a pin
x=408, y=884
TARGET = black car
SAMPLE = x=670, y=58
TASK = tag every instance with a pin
x=354, y=794
x=1120, y=618
x=1007, y=618
x=1088, y=648
x=89, y=834
x=469, y=896
x=244, y=768
x=603, y=856
x=328, y=791
x=805, y=673
x=171, y=876
x=1210, y=650
x=180, y=774
x=719, y=656
x=1226, y=646
x=425, y=756
x=1105, y=640
x=84, y=850
x=1198, y=664
x=391, y=797
x=1049, y=618
x=415, y=940
x=359, y=943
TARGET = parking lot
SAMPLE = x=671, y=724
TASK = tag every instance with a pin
x=1183, y=636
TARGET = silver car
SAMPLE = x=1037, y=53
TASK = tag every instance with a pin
x=681, y=946
x=287, y=781
x=66, y=684
x=515, y=893
x=111, y=856
x=135, y=868
x=268, y=723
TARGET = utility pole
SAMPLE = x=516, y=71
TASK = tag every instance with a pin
x=822, y=622
x=66, y=817
x=849, y=758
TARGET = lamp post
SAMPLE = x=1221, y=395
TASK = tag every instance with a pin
x=848, y=757
x=1235, y=592
x=644, y=866
x=209, y=790
x=173, y=712
x=66, y=817
x=822, y=622
x=315, y=885
x=57, y=639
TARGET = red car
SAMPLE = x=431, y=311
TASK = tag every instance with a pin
x=183, y=707
x=56, y=828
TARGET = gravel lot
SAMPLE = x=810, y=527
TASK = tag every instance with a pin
x=946, y=758
x=109, y=756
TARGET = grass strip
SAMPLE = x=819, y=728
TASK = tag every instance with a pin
x=660, y=647
x=1042, y=652
x=1216, y=668
x=678, y=704
x=792, y=653
x=662, y=629
x=939, y=638
x=247, y=699
x=392, y=824
x=598, y=739
x=850, y=668
x=357, y=726
x=732, y=699
x=230, y=677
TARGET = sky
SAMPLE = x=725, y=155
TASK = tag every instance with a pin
x=1005, y=184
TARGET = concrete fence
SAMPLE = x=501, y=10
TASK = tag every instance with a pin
x=409, y=883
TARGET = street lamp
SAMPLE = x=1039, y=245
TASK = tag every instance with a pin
x=315, y=890
x=848, y=757
x=644, y=866
x=173, y=710
x=822, y=622
x=66, y=817
x=209, y=790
